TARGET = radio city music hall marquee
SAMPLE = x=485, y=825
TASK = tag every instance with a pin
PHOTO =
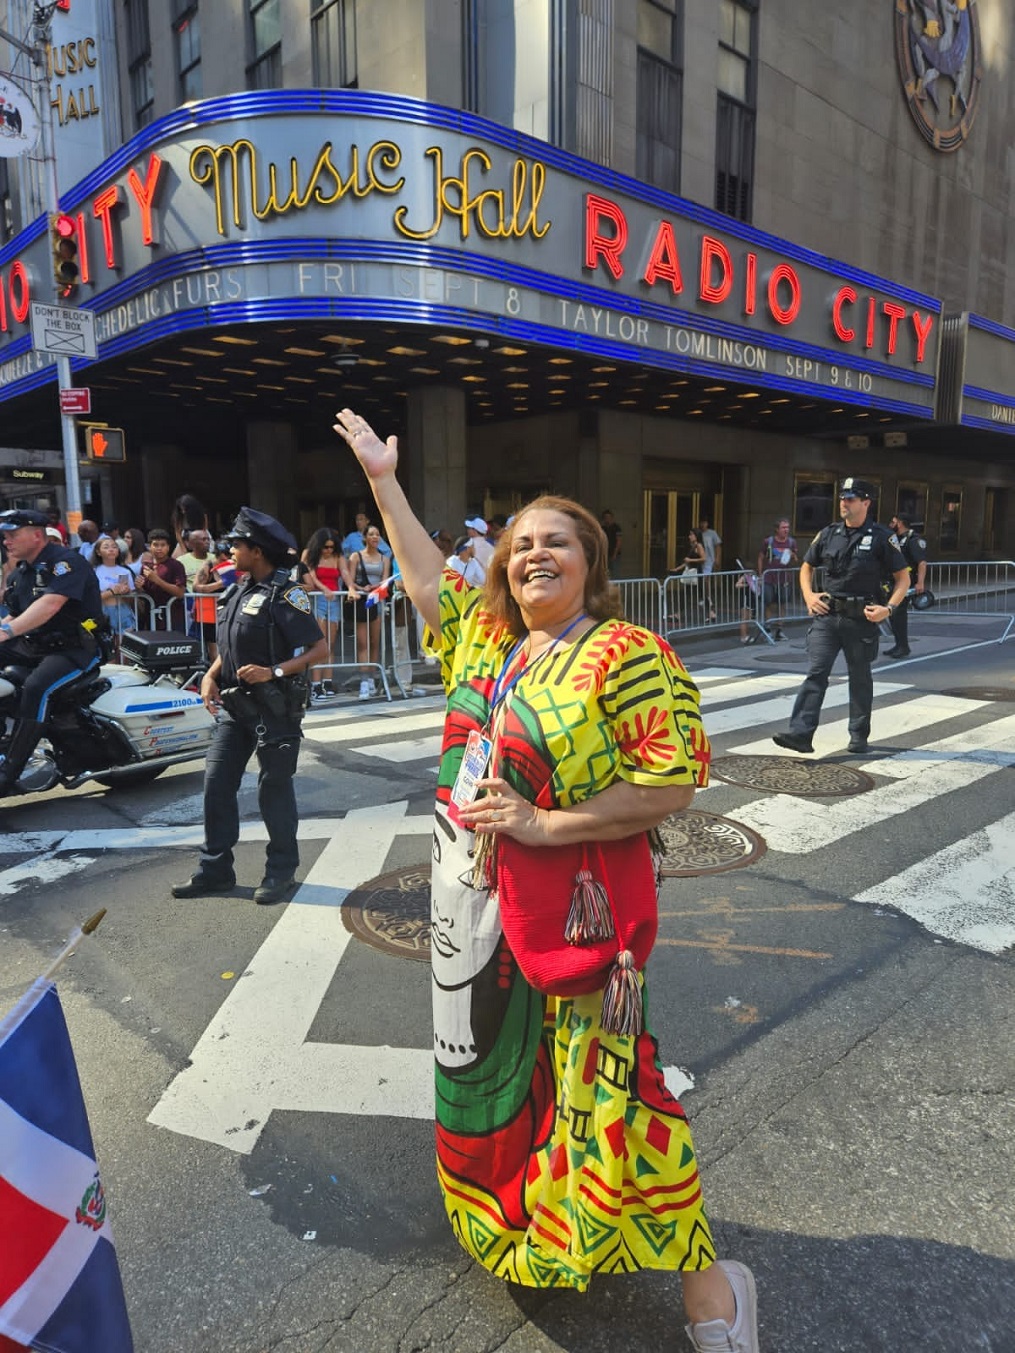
x=253, y=206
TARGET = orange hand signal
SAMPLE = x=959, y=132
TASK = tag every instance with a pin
x=99, y=445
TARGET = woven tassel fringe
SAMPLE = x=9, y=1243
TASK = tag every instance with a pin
x=622, y=1004
x=483, y=860
x=590, y=917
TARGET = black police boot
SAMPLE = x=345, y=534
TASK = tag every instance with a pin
x=20, y=747
x=794, y=742
x=271, y=890
x=203, y=884
x=897, y=652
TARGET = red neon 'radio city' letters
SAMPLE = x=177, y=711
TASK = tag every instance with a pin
x=102, y=207
x=145, y=195
x=664, y=261
x=714, y=251
x=750, y=284
x=844, y=296
x=895, y=312
x=598, y=245
x=782, y=272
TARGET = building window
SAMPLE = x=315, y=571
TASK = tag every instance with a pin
x=518, y=57
x=813, y=504
x=734, y=133
x=139, y=62
x=950, y=524
x=911, y=504
x=265, y=70
x=187, y=31
x=660, y=92
x=333, y=39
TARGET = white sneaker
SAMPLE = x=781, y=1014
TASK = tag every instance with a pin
x=366, y=689
x=716, y=1336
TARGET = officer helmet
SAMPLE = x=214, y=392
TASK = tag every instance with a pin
x=269, y=535
x=923, y=601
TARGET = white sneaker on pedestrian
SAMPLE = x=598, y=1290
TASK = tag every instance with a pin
x=716, y=1336
x=366, y=689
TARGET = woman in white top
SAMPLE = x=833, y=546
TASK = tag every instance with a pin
x=463, y=560
x=116, y=582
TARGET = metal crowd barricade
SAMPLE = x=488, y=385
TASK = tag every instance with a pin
x=779, y=600
x=345, y=668
x=402, y=635
x=642, y=602
x=697, y=602
x=982, y=588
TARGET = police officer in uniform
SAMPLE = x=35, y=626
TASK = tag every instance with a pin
x=55, y=608
x=855, y=557
x=914, y=551
x=262, y=621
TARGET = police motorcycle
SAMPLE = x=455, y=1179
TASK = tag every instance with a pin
x=116, y=724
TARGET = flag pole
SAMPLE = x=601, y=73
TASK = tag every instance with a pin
x=26, y=1002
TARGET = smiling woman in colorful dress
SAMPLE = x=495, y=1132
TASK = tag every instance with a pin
x=553, y=1128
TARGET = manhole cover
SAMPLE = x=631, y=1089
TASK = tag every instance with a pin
x=392, y=913
x=982, y=692
x=782, y=775
x=703, y=843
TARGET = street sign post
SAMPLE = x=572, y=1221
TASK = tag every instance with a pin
x=78, y=399
x=63, y=332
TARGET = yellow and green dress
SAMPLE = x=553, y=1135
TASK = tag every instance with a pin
x=560, y=1151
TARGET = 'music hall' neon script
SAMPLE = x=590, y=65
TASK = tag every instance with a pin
x=494, y=213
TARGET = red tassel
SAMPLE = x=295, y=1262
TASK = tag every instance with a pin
x=622, y=1004
x=590, y=917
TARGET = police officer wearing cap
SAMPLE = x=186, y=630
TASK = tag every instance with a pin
x=55, y=614
x=914, y=550
x=855, y=557
x=251, y=688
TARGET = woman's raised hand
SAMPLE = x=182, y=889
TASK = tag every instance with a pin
x=377, y=458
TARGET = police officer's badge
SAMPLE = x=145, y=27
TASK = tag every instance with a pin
x=297, y=597
x=61, y=568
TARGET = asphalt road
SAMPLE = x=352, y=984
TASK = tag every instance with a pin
x=840, y=1007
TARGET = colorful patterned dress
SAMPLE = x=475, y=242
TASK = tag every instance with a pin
x=560, y=1152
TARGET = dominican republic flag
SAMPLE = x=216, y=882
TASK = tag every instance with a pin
x=60, y=1288
x=380, y=592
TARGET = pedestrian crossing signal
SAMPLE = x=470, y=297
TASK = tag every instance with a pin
x=63, y=235
x=105, y=444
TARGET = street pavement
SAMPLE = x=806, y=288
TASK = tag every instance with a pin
x=837, y=1015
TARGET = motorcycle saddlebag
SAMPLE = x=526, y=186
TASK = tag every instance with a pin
x=161, y=651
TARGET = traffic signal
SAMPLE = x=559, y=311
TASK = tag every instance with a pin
x=105, y=444
x=63, y=236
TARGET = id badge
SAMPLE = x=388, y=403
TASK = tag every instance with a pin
x=470, y=772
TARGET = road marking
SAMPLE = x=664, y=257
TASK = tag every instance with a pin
x=725, y=946
x=411, y=749
x=245, y=1064
x=965, y=892
x=747, y=687
x=777, y=710
x=352, y=731
x=909, y=717
x=798, y=826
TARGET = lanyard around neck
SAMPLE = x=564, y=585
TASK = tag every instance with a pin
x=500, y=691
